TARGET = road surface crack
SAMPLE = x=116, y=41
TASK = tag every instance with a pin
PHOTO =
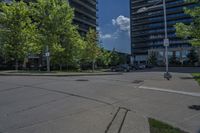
x=73, y=95
x=10, y=89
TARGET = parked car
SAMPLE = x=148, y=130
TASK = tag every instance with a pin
x=138, y=67
x=149, y=66
x=133, y=67
x=121, y=68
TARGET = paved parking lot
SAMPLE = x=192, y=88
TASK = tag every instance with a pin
x=97, y=104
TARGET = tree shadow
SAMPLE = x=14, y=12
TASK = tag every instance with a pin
x=195, y=77
x=194, y=107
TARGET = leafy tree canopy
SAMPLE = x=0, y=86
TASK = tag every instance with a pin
x=191, y=31
x=54, y=21
x=92, y=50
x=18, y=34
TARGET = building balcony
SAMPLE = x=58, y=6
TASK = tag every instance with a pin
x=161, y=19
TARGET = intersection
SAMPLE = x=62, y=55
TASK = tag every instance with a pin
x=97, y=104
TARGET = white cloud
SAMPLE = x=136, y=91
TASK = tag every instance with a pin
x=122, y=22
x=98, y=29
x=123, y=25
x=106, y=36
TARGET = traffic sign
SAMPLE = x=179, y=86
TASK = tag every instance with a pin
x=47, y=54
x=166, y=42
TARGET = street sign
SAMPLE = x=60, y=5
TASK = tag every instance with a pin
x=166, y=42
x=47, y=54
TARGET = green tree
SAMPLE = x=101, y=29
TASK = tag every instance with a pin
x=115, y=58
x=75, y=47
x=193, y=57
x=69, y=49
x=58, y=55
x=54, y=20
x=105, y=58
x=118, y=58
x=18, y=34
x=173, y=60
x=152, y=58
x=92, y=49
x=191, y=31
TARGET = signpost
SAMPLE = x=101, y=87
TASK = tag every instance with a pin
x=166, y=42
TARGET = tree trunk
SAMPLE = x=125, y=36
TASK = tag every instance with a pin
x=48, y=59
x=93, y=65
x=16, y=64
x=198, y=52
x=67, y=67
x=5, y=59
x=48, y=64
x=60, y=67
x=24, y=63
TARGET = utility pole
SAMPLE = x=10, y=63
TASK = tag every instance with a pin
x=167, y=75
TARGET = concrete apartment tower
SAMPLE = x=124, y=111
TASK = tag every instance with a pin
x=85, y=14
x=147, y=30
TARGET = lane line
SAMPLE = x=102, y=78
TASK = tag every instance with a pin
x=170, y=91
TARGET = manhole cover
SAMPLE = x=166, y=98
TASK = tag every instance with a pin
x=137, y=81
x=82, y=80
x=195, y=107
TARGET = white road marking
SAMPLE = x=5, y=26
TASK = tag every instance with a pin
x=170, y=91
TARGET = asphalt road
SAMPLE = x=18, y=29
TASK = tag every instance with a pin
x=97, y=104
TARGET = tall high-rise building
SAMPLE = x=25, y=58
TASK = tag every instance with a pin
x=85, y=14
x=147, y=29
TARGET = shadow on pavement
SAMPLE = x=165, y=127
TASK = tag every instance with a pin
x=195, y=107
x=195, y=77
x=172, y=69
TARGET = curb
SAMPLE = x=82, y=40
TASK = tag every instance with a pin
x=58, y=75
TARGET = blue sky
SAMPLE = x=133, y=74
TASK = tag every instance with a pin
x=114, y=24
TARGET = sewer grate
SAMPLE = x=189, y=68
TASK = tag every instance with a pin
x=137, y=81
x=195, y=107
x=82, y=80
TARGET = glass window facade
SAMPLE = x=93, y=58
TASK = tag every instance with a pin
x=85, y=14
x=147, y=27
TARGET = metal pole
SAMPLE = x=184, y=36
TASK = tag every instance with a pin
x=166, y=42
x=166, y=35
x=167, y=75
x=48, y=60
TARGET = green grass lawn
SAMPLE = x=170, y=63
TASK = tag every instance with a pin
x=196, y=77
x=161, y=127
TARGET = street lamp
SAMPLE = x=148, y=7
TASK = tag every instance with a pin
x=167, y=75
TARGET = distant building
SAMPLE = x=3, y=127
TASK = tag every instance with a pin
x=147, y=30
